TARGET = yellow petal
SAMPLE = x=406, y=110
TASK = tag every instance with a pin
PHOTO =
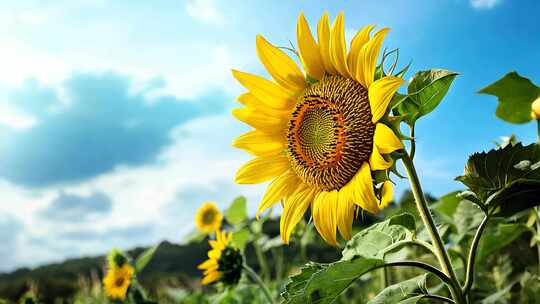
x=280, y=188
x=262, y=169
x=323, y=33
x=282, y=68
x=377, y=161
x=338, y=48
x=387, y=194
x=367, y=58
x=324, y=215
x=214, y=254
x=345, y=212
x=295, y=207
x=207, y=264
x=385, y=139
x=252, y=102
x=261, y=121
x=363, y=193
x=380, y=95
x=310, y=54
x=211, y=277
x=361, y=38
x=267, y=91
x=260, y=143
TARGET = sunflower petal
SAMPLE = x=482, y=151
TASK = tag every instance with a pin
x=207, y=264
x=338, y=47
x=259, y=143
x=280, y=188
x=324, y=215
x=295, y=207
x=211, y=278
x=310, y=54
x=367, y=58
x=363, y=193
x=266, y=91
x=282, y=68
x=323, y=33
x=380, y=94
x=261, y=121
x=262, y=169
x=377, y=161
x=361, y=38
x=252, y=102
x=385, y=139
x=387, y=194
x=345, y=212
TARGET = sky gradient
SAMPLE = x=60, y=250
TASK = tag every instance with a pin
x=115, y=117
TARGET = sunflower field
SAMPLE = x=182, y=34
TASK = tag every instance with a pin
x=332, y=129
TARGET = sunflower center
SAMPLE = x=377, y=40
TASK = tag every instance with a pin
x=330, y=132
x=119, y=281
x=208, y=217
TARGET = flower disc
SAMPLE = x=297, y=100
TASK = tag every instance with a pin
x=330, y=132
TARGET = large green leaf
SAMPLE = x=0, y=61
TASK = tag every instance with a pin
x=497, y=237
x=515, y=94
x=400, y=291
x=373, y=241
x=446, y=206
x=367, y=250
x=425, y=92
x=506, y=180
x=241, y=237
x=237, y=211
x=323, y=283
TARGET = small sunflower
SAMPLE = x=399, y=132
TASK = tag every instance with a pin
x=208, y=217
x=224, y=262
x=319, y=134
x=117, y=281
x=535, y=109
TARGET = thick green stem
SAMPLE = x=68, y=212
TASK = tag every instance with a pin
x=438, y=245
x=253, y=275
x=469, y=276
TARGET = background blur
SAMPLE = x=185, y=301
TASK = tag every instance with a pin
x=115, y=115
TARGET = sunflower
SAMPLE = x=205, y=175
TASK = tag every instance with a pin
x=224, y=261
x=319, y=135
x=117, y=281
x=208, y=217
x=535, y=109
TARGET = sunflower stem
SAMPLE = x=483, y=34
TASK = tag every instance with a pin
x=253, y=275
x=469, y=276
x=438, y=245
x=265, y=270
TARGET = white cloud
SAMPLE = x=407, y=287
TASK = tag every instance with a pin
x=484, y=4
x=14, y=118
x=204, y=10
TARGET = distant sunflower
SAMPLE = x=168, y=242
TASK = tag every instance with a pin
x=224, y=262
x=208, y=217
x=318, y=136
x=117, y=281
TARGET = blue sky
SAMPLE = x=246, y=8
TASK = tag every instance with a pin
x=115, y=115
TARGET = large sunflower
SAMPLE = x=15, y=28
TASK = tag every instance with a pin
x=318, y=135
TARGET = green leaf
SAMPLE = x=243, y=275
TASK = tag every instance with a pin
x=467, y=218
x=372, y=241
x=241, y=237
x=425, y=92
x=323, y=283
x=237, y=211
x=506, y=180
x=195, y=236
x=515, y=95
x=497, y=237
x=446, y=206
x=400, y=291
x=144, y=258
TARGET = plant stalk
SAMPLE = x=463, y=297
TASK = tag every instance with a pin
x=438, y=245
x=265, y=270
x=469, y=276
x=253, y=275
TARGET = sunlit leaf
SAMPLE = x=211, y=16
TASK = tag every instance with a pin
x=425, y=92
x=237, y=211
x=241, y=237
x=515, y=94
x=145, y=258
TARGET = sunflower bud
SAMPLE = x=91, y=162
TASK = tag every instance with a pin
x=535, y=109
x=116, y=259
